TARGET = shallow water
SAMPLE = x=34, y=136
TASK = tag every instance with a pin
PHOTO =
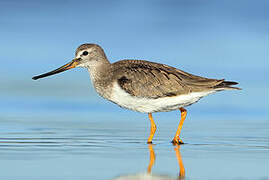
x=110, y=143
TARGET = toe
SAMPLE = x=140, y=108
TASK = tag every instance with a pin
x=177, y=141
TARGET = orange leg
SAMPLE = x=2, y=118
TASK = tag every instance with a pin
x=152, y=129
x=180, y=162
x=176, y=139
x=151, y=158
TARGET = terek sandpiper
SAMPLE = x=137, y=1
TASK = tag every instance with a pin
x=143, y=86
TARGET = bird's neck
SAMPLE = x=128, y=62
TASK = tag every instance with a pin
x=100, y=77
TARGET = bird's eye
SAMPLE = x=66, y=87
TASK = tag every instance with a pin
x=85, y=53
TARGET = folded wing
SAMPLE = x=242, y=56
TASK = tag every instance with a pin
x=153, y=80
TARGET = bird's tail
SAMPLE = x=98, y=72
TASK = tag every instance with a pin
x=226, y=85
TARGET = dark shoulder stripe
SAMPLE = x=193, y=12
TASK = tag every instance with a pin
x=123, y=83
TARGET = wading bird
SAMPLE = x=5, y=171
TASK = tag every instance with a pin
x=143, y=86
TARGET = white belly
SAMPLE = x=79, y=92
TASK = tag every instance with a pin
x=147, y=105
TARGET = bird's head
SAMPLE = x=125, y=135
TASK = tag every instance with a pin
x=87, y=55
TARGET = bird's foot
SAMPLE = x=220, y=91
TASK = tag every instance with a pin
x=177, y=141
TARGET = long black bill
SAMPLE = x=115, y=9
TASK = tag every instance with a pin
x=65, y=67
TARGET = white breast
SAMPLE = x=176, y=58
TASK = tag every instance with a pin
x=147, y=105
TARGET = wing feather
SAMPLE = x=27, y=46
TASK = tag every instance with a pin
x=152, y=80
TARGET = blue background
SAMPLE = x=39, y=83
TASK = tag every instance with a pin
x=218, y=39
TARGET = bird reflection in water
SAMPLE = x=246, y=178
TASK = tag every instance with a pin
x=149, y=175
x=180, y=163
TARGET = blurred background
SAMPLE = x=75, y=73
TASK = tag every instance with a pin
x=61, y=114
